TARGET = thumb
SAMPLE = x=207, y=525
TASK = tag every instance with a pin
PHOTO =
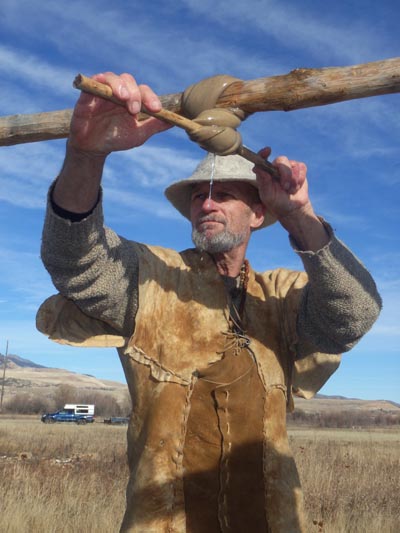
x=265, y=152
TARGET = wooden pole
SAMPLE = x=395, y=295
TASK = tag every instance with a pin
x=4, y=378
x=88, y=85
x=299, y=89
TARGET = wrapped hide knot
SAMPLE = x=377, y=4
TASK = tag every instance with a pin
x=217, y=139
x=218, y=125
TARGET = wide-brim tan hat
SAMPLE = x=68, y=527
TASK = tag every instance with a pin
x=226, y=168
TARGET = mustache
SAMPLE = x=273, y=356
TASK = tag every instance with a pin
x=210, y=218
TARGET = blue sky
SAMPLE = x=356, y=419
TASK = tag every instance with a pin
x=351, y=148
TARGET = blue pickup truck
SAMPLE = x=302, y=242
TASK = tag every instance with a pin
x=116, y=420
x=78, y=413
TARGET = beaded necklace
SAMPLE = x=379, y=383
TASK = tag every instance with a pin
x=238, y=299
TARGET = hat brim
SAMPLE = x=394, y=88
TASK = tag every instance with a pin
x=227, y=168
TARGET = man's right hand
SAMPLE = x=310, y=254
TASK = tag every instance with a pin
x=99, y=127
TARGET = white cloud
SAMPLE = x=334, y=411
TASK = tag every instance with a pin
x=31, y=70
x=155, y=166
x=26, y=172
x=387, y=330
x=170, y=45
x=24, y=281
x=138, y=202
x=135, y=41
x=319, y=33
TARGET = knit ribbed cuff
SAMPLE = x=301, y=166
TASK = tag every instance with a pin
x=78, y=234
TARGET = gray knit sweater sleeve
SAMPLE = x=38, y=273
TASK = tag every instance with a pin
x=92, y=266
x=340, y=302
x=98, y=269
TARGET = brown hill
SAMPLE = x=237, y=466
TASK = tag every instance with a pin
x=323, y=404
x=24, y=376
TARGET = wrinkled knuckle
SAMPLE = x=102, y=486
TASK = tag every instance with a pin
x=127, y=76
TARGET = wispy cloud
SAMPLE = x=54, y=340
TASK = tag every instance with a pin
x=153, y=167
x=24, y=279
x=29, y=68
x=136, y=41
x=387, y=331
x=319, y=33
x=135, y=202
x=351, y=147
x=25, y=174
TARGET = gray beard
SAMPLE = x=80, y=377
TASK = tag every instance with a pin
x=222, y=242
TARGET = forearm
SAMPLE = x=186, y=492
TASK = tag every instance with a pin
x=340, y=302
x=305, y=229
x=78, y=184
x=92, y=266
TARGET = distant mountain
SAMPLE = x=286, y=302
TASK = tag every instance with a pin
x=19, y=361
x=334, y=397
x=324, y=404
x=23, y=375
x=355, y=400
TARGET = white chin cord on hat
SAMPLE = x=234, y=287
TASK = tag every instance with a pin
x=212, y=176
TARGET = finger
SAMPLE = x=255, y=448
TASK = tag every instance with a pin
x=137, y=96
x=90, y=100
x=131, y=93
x=142, y=94
x=124, y=87
x=149, y=98
x=117, y=84
x=299, y=174
x=258, y=168
x=285, y=172
x=265, y=152
x=264, y=181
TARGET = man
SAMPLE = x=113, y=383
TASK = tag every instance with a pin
x=211, y=349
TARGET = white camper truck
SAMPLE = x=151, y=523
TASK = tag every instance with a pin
x=72, y=412
x=80, y=409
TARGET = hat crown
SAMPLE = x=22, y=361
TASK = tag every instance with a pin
x=224, y=168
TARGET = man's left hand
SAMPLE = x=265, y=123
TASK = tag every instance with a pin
x=287, y=198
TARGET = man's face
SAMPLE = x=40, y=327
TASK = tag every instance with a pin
x=223, y=220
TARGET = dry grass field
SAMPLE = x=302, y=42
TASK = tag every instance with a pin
x=350, y=478
x=61, y=478
x=71, y=479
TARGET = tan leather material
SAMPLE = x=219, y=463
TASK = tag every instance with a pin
x=311, y=372
x=155, y=501
x=284, y=495
x=63, y=322
x=190, y=339
x=223, y=454
x=175, y=294
x=181, y=328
